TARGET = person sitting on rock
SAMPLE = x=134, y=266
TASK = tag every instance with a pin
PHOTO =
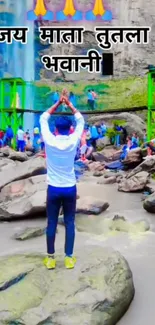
x=135, y=139
x=126, y=148
x=134, y=144
x=61, y=179
x=150, y=147
x=28, y=144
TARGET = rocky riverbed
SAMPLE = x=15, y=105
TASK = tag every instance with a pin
x=110, y=217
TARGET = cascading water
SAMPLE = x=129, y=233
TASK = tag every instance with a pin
x=17, y=60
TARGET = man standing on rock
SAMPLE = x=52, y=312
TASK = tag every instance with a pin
x=60, y=154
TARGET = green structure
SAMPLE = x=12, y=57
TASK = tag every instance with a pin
x=12, y=103
x=151, y=104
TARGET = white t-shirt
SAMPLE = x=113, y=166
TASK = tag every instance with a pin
x=20, y=135
x=60, y=152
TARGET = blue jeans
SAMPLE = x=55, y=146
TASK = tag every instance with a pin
x=21, y=145
x=57, y=197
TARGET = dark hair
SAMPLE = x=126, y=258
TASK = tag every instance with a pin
x=63, y=124
x=20, y=127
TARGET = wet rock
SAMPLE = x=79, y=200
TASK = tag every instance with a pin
x=20, y=156
x=100, y=291
x=134, y=184
x=144, y=196
x=108, y=180
x=147, y=166
x=149, y=203
x=150, y=187
x=34, y=166
x=117, y=217
x=98, y=173
x=29, y=233
x=133, y=156
x=91, y=205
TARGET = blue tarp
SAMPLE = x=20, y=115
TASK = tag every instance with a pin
x=116, y=165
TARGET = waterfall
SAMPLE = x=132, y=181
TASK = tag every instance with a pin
x=18, y=59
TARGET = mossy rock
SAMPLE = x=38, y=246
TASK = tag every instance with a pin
x=98, y=291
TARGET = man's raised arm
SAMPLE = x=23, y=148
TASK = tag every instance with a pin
x=79, y=120
x=48, y=137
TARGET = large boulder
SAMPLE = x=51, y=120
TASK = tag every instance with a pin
x=99, y=157
x=27, y=198
x=19, y=156
x=23, y=198
x=133, y=122
x=95, y=166
x=98, y=291
x=29, y=232
x=147, y=165
x=149, y=203
x=34, y=166
x=12, y=154
x=91, y=205
x=134, y=184
x=133, y=157
x=107, y=154
x=103, y=142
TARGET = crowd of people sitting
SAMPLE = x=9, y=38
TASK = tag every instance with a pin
x=88, y=143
